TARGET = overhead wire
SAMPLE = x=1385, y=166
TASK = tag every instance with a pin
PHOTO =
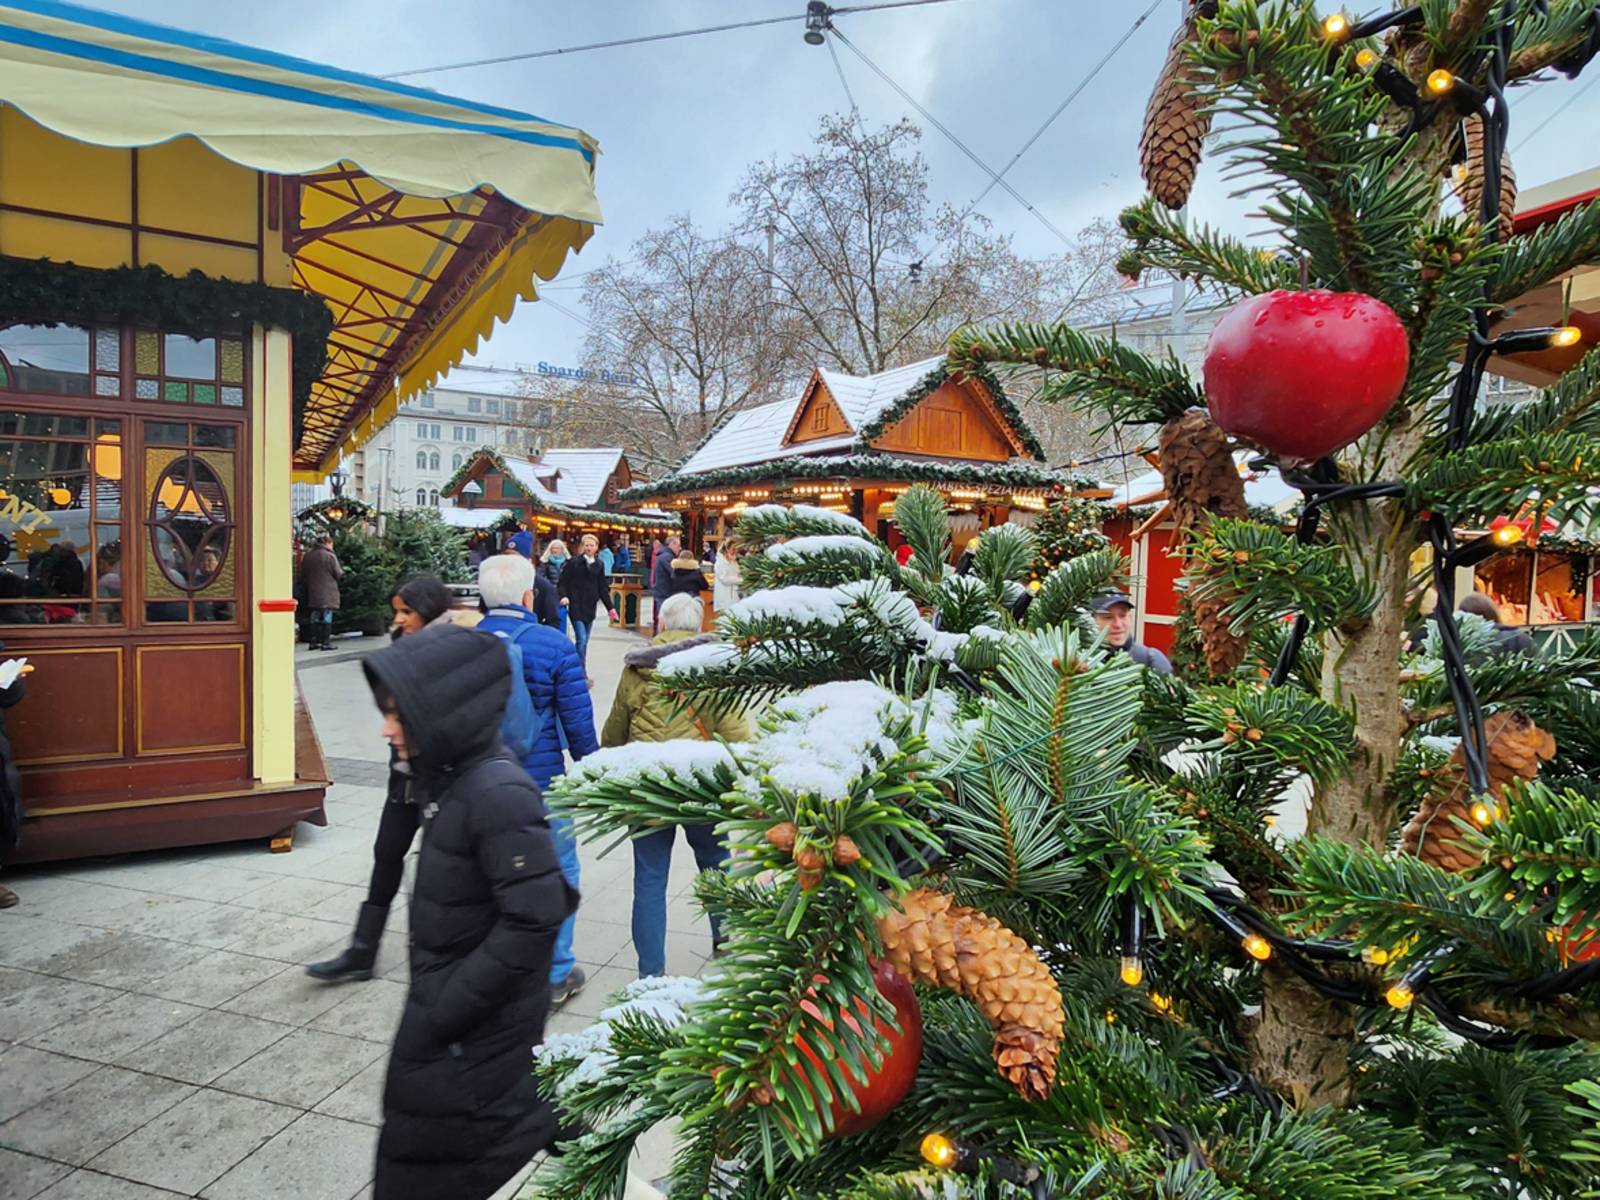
x=1062, y=107
x=954, y=140
x=647, y=38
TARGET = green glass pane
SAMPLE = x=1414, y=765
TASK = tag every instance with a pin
x=205, y=393
x=176, y=392
x=147, y=353
x=232, y=361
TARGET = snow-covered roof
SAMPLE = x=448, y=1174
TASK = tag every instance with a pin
x=472, y=518
x=582, y=473
x=756, y=434
x=483, y=381
x=1264, y=488
x=749, y=436
x=863, y=397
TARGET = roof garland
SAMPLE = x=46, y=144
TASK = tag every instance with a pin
x=930, y=383
x=857, y=466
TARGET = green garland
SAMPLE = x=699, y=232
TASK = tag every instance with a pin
x=549, y=507
x=932, y=382
x=886, y=467
x=352, y=512
x=53, y=293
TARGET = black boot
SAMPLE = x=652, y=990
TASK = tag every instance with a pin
x=355, y=962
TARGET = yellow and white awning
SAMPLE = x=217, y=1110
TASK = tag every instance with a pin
x=420, y=218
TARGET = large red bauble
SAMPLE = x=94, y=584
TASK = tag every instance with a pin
x=884, y=1088
x=1301, y=374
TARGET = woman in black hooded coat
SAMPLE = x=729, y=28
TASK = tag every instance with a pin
x=461, y=1107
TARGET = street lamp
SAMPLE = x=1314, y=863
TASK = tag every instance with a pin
x=336, y=480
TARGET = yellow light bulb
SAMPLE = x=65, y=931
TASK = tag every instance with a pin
x=1460, y=172
x=1567, y=335
x=1481, y=813
x=1034, y=585
x=1111, y=1017
x=1399, y=996
x=1376, y=955
x=1162, y=1003
x=1365, y=57
x=1132, y=970
x=1440, y=81
x=939, y=1151
x=1335, y=26
x=1257, y=947
x=1507, y=535
x=1509, y=897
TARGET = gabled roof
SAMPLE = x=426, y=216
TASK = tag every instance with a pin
x=582, y=474
x=869, y=403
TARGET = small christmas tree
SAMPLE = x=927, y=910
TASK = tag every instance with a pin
x=1068, y=527
x=1127, y=982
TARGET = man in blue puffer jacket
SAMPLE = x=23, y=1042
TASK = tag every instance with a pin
x=560, y=694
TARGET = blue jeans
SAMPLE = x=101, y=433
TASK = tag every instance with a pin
x=580, y=634
x=561, y=619
x=652, y=858
x=567, y=851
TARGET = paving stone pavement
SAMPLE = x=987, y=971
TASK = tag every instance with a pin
x=159, y=1037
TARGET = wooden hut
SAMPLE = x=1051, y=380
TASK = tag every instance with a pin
x=220, y=270
x=854, y=443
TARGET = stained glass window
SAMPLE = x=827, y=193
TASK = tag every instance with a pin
x=232, y=361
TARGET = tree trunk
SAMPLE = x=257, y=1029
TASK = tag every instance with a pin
x=1302, y=1042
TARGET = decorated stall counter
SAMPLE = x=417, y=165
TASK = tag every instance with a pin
x=221, y=269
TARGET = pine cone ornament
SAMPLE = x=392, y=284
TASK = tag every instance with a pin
x=1516, y=747
x=1202, y=481
x=1175, y=125
x=943, y=944
x=1469, y=187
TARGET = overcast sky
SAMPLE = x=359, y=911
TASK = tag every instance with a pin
x=678, y=121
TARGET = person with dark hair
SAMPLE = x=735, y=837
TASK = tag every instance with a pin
x=1511, y=640
x=462, y=1110
x=418, y=603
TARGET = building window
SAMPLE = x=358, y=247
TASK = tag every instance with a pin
x=422, y=429
x=61, y=521
x=433, y=432
x=427, y=399
x=472, y=434
x=456, y=460
x=422, y=497
x=494, y=408
x=458, y=433
x=433, y=461
x=474, y=404
x=189, y=570
x=422, y=460
x=433, y=497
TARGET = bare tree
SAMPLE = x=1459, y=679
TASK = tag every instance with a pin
x=867, y=275
x=681, y=336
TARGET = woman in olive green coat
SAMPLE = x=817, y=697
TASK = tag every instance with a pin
x=643, y=713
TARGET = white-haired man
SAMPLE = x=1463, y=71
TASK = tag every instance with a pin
x=560, y=695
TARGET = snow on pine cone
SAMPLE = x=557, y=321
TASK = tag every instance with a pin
x=1202, y=481
x=1515, y=748
x=945, y=944
x=1469, y=187
x=1175, y=125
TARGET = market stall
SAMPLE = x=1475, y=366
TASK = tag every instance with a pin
x=220, y=269
x=855, y=443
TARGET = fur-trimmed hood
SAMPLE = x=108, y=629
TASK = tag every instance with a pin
x=647, y=658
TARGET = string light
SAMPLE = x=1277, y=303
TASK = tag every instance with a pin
x=1365, y=57
x=1335, y=26
x=1376, y=955
x=1507, y=535
x=1441, y=82
x=1163, y=1003
x=1400, y=995
x=1132, y=972
x=1257, y=947
x=1460, y=172
x=1567, y=335
x=939, y=1151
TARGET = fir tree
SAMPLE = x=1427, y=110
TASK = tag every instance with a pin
x=1130, y=985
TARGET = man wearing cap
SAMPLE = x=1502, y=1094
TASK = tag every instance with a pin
x=1113, y=612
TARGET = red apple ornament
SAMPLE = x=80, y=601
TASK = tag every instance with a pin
x=1301, y=374
x=885, y=1087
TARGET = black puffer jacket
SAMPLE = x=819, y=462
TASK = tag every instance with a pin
x=10, y=778
x=462, y=1111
